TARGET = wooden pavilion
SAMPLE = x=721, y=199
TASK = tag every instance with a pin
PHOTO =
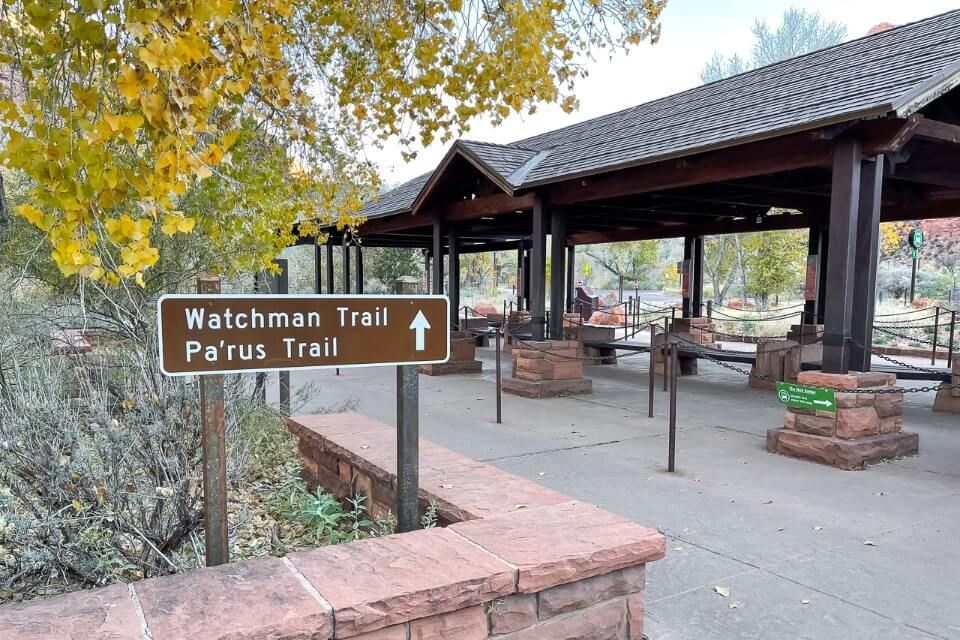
x=842, y=139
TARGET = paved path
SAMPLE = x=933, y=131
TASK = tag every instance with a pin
x=807, y=551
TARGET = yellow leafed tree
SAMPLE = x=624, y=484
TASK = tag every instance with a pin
x=116, y=111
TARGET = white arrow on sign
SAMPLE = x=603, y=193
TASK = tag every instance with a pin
x=825, y=403
x=420, y=325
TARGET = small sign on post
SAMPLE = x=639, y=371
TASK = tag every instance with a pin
x=800, y=396
x=211, y=334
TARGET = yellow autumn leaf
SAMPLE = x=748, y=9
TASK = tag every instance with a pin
x=129, y=84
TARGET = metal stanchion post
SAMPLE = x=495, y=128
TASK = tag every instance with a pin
x=500, y=325
x=653, y=369
x=666, y=341
x=674, y=366
x=953, y=325
x=936, y=330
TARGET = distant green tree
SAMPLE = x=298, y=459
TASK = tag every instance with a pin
x=632, y=260
x=385, y=265
x=774, y=262
x=720, y=264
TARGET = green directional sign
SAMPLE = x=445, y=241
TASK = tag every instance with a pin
x=800, y=396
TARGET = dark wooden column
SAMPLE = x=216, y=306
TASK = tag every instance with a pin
x=521, y=275
x=359, y=269
x=812, y=276
x=696, y=278
x=865, y=275
x=686, y=276
x=453, y=275
x=346, y=267
x=558, y=245
x=822, y=272
x=427, y=267
x=317, y=269
x=538, y=268
x=439, y=231
x=844, y=207
x=331, y=283
x=571, y=277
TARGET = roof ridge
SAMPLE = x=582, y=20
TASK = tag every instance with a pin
x=506, y=145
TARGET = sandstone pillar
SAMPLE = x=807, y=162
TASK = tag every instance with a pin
x=864, y=429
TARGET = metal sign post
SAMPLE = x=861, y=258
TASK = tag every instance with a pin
x=214, y=447
x=915, y=240
x=408, y=447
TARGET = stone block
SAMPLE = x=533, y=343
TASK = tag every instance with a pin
x=585, y=593
x=465, y=624
x=228, y=601
x=891, y=424
x=874, y=379
x=533, y=365
x=533, y=376
x=575, y=541
x=844, y=454
x=857, y=422
x=828, y=380
x=848, y=400
x=635, y=616
x=512, y=613
x=562, y=355
x=802, y=445
x=546, y=388
x=888, y=405
x=451, y=367
x=396, y=632
x=818, y=425
x=396, y=578
x=569, y=370
x=854, y=454
x=790, y=421
x=606, y=621
x=463, y=351
x=946, y=402
x=105, y=613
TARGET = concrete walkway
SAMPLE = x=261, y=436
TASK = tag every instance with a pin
x=806, y=551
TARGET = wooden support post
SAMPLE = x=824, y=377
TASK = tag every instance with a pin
x=867, y=255
x=439, y=231
x=844, y=207
x=317, y=269
x=214, y=447
x=331, y=282
x=426, y=271
x=571, y=277
x=685, y=277
x=812, y=279
x=345, y=250
x=696, y=278
x=359, y=269
x=453, y=274
x=822, y=273
x=558, y=244
x=538, y=268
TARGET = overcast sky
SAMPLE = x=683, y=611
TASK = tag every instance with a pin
x=692, y=31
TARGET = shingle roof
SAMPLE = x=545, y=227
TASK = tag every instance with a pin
x=893, y=72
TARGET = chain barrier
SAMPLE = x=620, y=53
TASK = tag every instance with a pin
x=904, y=337
x=723, y=306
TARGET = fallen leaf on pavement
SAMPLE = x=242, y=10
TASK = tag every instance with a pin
x=724, y=591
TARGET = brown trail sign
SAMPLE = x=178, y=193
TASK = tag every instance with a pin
x=234, y=333
x=211, y=334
